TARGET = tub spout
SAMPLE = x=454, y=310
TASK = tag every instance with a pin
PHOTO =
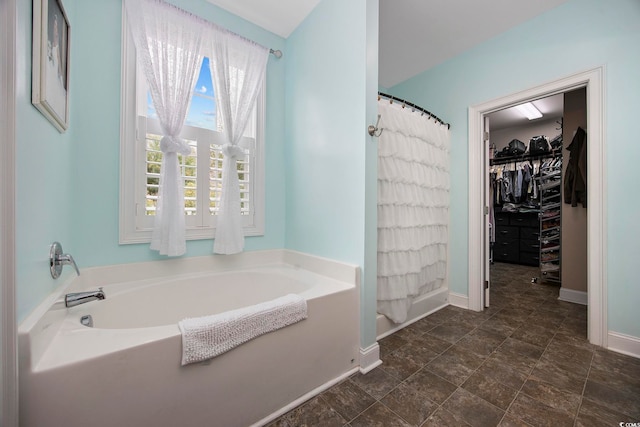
x=77, y=298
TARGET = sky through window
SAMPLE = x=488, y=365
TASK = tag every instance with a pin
x=202, y=111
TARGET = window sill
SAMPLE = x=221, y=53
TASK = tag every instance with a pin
x=193, y=233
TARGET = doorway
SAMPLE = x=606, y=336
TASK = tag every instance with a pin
x=524, y=189
x=536, y=227
x=596, y=221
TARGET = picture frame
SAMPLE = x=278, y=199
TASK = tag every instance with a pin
x=50, y=62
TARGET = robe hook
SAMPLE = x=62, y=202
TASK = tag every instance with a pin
x=373, y=130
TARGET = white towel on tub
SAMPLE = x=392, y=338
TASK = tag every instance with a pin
x=209, y=336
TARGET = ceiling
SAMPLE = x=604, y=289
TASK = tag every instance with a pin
x=415, y=35
x=551, y=107
x=280, y=17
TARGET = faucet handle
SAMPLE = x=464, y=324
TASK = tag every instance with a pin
x=67, y=259
x=57, y=259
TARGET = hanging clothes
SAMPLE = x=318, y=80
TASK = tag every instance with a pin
x=575, y=183
x=526, y=181
x=507, y=186
x=517, y=188
x=492, y=197
x=513, y=183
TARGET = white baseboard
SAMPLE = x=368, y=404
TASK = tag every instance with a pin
x=625, y=344
x=304, y=398
x=370, y=358
x=569, y=295
x=420, y=307
x=459, y=300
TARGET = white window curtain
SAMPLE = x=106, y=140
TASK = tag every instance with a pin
x=238, y=67
x=413, y=208
x=168, y=43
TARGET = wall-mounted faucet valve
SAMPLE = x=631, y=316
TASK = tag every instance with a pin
x=57, y=259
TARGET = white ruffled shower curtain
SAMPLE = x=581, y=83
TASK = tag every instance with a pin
x=170, y=42
x=413, y=207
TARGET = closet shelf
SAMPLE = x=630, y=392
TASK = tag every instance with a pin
x=550, y=185
x=547, y=268
x=554, y=205
x=550, y=172
x=550, y=204
x=521, y=158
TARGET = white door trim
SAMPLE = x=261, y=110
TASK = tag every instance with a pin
x=8, y=344
x=593, y=80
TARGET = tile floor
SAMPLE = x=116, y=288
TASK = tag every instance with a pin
x=525, y=361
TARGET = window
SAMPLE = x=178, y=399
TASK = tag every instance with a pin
x=201, y=169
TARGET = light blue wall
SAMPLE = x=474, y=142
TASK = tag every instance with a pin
x=579, y=35
x=96, y=113
x=326, y=142
x=44, y=179
x=325, y=114
x=68, y=185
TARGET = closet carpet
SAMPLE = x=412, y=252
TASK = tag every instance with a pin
x=523, y=362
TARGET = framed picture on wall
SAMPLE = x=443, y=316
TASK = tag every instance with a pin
x=50, y=64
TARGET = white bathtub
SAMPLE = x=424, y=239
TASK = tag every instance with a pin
x=126, y=371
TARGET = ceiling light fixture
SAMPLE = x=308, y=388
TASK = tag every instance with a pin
x=529, y=111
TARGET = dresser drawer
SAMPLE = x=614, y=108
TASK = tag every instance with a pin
x=529, y=233
x=506, y=232
x=506, y=257
x=524, y=220
x=529, y=258
x=506, y=250
x=501, y=218
x=529, y=246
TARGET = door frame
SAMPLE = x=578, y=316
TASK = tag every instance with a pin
x=8, y=328
x=593, y=80
x=486, y=271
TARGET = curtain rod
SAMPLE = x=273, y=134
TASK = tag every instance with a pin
x=414, y=106
x=277, y=52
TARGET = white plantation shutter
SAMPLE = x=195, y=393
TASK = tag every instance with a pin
x=201, y=172
x=188, y=174
x=215, y=180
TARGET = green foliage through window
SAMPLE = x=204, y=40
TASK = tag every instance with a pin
x=189, y=173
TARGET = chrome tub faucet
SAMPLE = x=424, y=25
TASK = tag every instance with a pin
x=77, y=298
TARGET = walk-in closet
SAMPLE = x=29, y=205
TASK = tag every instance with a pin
x=537, y=191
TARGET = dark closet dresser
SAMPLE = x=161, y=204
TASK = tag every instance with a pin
x=517, y=238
